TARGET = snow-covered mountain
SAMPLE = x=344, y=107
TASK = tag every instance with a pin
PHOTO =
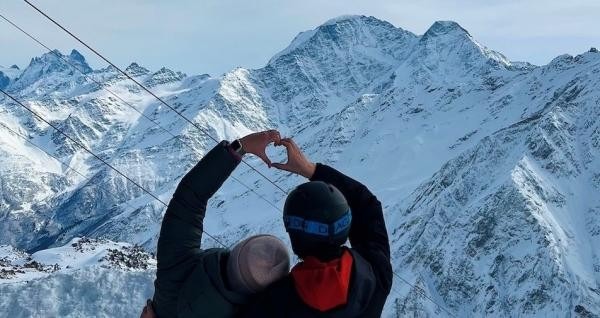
x=8, y=74
x=488, y=169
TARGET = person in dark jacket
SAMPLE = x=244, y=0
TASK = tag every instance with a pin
x=217, y=282
x=332, y=280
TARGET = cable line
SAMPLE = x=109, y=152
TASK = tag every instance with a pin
x=99, y=158
x=102, y=86
x=79, y=173
x=416, y=288
x=421, y=291
x=145, y=89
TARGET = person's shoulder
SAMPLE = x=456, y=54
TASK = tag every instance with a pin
x=212, y=252
x=372, y=266
x=361, y=263
x=211, y=260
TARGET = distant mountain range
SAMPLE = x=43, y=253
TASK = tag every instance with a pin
x=489, y=169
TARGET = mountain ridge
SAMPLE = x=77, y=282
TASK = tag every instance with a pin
x=486, y=167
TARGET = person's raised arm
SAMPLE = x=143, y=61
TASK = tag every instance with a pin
x=183, y=223
x=368, y=234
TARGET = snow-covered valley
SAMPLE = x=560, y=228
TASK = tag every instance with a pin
x=488, y=169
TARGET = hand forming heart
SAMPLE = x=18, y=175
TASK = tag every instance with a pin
x=297, y=162
x=257, y=143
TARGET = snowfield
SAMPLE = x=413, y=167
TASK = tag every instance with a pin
x=488, y=169
x=85, y=278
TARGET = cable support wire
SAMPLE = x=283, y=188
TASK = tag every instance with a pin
x=77, y=172
x=421, y=292
x=131, y=78
x=105, y=88
x=99, y=158
x=418, y=289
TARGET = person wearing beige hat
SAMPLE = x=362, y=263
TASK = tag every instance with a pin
x=217, y=282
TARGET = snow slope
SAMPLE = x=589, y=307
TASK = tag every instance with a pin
x=86, y=278
x=488, y=169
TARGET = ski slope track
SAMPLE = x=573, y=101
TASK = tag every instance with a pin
x=488, y=169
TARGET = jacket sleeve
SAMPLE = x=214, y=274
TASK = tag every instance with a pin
x=182, y=225
x=368, y=234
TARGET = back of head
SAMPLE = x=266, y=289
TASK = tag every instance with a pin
x=317, y=218
x=257, y=262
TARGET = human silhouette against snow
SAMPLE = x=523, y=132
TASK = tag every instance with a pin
x=217, y=282
x=331, y=280
x=320, y=216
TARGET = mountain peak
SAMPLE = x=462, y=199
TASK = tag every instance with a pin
x=134, y=69
x=53, y=62
x=76, y=56
x=4, y=80
x=344, y=18
x=458, y=47
x=445, y=27
x=164, y=76
x=56, y=61
x=348, y=31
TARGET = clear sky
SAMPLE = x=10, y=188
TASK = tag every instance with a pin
x=214, y=36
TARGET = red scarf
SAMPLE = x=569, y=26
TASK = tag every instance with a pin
x=323, y=286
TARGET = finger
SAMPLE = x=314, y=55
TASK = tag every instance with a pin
x=277, y=136
x=274, y=135
x=286, y=142
x=288, y=147
x=265, y=158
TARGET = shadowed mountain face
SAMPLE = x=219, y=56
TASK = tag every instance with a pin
x=488, y=170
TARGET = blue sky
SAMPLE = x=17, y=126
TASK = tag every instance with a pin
x=214, y=36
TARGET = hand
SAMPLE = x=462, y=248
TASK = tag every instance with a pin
x=148, y=311
x=297, y=162
x=257, y=143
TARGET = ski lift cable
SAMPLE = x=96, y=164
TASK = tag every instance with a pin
x=97, y=157
x=418, y=289
x=421, y=291
x=102, y=86
x=180, y=114
x=68, y=167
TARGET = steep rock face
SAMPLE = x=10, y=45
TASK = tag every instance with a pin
x=325, y=68
x=49, y=71
x=164, y=76
x=504, y=224
x=8, y=75
x=4, y=80
x=487, y=168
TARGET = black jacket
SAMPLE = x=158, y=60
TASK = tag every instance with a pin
x=371, y=277
x=189, y=280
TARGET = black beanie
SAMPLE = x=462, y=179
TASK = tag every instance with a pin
x=319, y=202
